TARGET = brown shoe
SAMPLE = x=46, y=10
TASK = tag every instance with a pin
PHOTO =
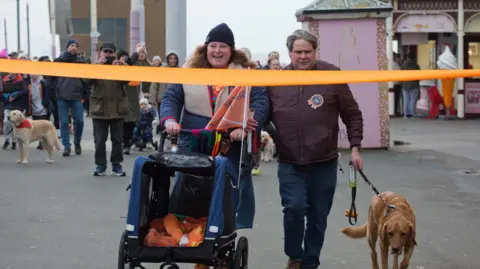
x=293, y=264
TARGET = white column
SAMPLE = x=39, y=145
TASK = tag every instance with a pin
x=391, y=93
x=93, y=31
x=176, y=24
x=137, y=24
x=460, y=61
x=53, y=28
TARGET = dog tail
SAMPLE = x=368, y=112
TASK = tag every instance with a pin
x=57, y=143
x=356, y=232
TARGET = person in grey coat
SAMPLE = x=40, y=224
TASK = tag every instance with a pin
x=69, y=93
x=410, y=89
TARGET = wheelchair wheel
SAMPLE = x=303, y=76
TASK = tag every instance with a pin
x=241, y=254
x=122, y=254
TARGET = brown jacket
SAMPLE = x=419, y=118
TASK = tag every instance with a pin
x=306, y=119
x=108, y=99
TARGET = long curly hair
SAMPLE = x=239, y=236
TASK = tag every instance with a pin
x=199, y=59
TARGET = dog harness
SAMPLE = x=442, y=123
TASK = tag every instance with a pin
x=24, y=124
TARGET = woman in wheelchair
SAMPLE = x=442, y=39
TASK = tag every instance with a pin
x=198, y=103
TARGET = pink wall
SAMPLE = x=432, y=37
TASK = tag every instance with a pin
x=352, y=45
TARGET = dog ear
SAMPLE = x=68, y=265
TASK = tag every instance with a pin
x=413, y=235
x=384, y=233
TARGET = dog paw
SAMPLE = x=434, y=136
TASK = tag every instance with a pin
x=19, y=161
x=49, y=161
x=25, y=162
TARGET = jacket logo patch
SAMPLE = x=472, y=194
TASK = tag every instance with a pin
x=315, y=101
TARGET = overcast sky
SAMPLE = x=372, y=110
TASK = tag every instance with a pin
x=261, y=25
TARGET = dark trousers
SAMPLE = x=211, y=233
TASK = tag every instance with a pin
x=100, y=135
x=306, y=192
x=56, y=119
x=43, y=117
x=398, y=100
x=128, y=128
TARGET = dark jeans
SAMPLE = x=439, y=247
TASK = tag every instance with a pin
x=100, y=135
x=128, y=128
x=398, y=100
x=306, y=192
x=77, y=113
x=43, y=117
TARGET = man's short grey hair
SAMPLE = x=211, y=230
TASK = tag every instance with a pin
x=301, y=35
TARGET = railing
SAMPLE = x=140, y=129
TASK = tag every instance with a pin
x=471, y=5
x=428, y=4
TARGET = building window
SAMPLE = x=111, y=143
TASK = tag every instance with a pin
x=114, y=30
x=79, y=26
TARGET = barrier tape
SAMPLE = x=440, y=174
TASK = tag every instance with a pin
x=224, y=76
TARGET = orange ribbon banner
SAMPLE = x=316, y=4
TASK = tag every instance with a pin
x=224, y=76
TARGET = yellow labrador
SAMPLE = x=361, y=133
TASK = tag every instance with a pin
x=28, y=131
x=395, y=229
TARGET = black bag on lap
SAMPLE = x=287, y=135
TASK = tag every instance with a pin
x=191, y=196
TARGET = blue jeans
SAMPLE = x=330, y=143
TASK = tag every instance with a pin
x=77, y=114
x=306, y=192
x=410, y=99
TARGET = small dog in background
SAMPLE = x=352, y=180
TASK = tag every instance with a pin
x=28, y=131
x=267, y=147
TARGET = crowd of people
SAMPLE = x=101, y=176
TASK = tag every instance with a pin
x=303, y=121
x=65, y=100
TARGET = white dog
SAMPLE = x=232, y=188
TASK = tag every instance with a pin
x=28, y=131
x=268, y=147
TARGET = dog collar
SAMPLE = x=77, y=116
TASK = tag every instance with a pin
x=25, y=124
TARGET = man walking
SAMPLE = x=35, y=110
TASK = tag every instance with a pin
x=108, y=108
x=306, y=122
x=69, y=93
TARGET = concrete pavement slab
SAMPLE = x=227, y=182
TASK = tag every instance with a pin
x=60, y=216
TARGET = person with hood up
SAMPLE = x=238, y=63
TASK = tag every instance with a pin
x=69, y=93
x=157, y=89
x=172, y=59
